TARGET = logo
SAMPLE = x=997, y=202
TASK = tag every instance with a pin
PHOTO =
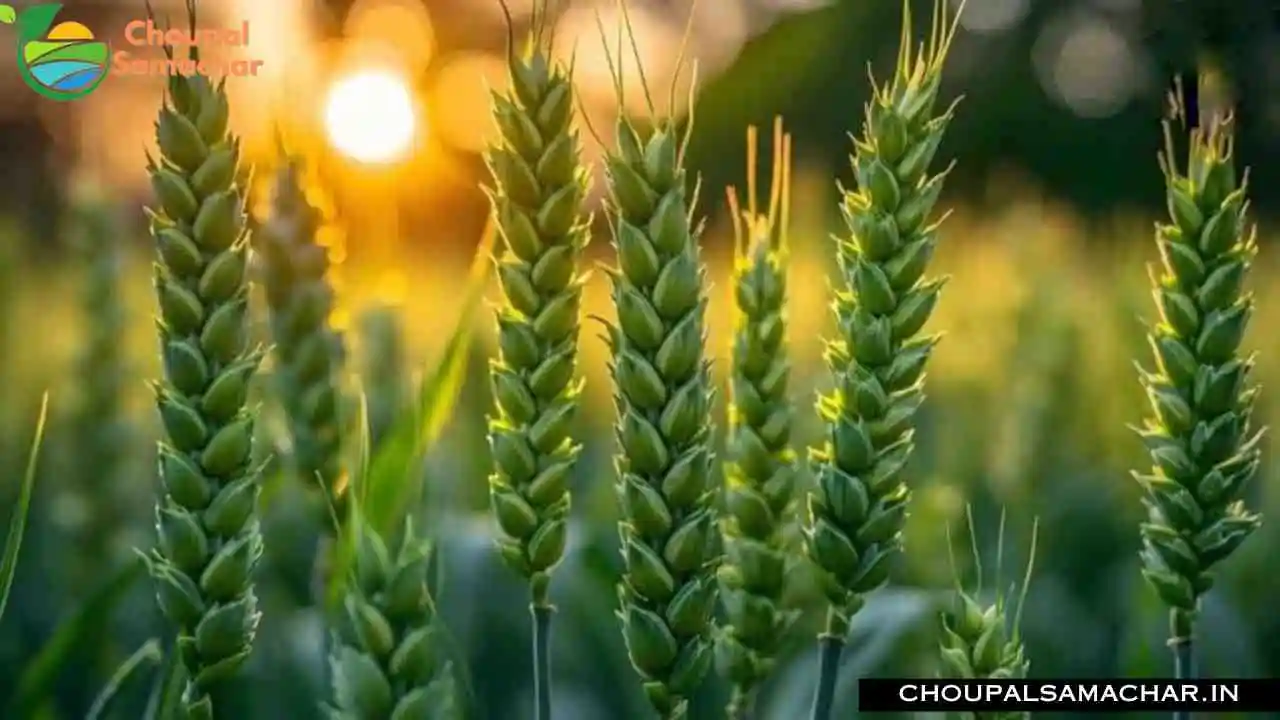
x=59, y=60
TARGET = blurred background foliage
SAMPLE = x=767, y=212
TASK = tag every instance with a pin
x=1029, y=395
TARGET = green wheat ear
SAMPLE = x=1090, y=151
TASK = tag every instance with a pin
x=1199, y=434
x=878, y=359
x=761, y=467
x=985, y=643
x=387, y=660
x=537, y=195
x=308, y=351
x=858, y=507
x=664, y=395
x=209, y=540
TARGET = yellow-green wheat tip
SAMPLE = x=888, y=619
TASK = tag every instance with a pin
x=761, y=467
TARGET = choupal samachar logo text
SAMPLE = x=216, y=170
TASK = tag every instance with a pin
x=65, y=61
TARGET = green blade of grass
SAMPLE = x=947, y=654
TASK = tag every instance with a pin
x=163, y=702
x=38, y=678
x=18, y=523
x=147, y=654
x=388, y=484
x=391, y=484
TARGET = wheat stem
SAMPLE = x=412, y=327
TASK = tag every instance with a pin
x=830, y=647
x=542, y=660
x=1184, y=669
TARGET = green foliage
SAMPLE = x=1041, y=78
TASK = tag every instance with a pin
x=663, y=394
x=386, y=479
x=209, y=542
x=1202, y=445
x=104, y=435
x=387, y=659
x=857, y=511
x=37, y=684
x=985, y=643
x=308, y=351
x=760, y=469
x=18, y=520
x=147, y=654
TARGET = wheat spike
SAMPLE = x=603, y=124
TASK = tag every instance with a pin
x=1203, y=448
x=760, y=468
x=206, y=518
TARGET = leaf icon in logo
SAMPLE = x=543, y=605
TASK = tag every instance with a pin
x=7, y=14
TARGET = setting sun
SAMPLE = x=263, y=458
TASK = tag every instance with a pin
x=369, y=116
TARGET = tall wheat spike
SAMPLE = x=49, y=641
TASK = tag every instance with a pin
x=761, y=466
x=537, y=195
x=664, y=395
x=858, y=507
x=1203, y=447
x=206, y=518
x=308, y=351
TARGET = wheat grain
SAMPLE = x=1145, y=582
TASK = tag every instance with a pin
x=760, y=467
x=857, y=510
x=206, y=518
x=1203, y=448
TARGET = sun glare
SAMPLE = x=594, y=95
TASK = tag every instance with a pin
x=369, y=116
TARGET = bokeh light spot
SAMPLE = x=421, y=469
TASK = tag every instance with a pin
x=369, y=116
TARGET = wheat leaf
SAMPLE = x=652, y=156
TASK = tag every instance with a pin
x=18, y=523
x=147, y=654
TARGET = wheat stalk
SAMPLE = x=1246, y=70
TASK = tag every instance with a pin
x=387, y=660
x=308, y=351
x=663, y=394
x=537, y=195
x=858, y=507
x=760, y=469
x=985, y=643
x=206, y=518
x=1202, y=446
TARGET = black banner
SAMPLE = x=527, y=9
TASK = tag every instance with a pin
x=1083, y=696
